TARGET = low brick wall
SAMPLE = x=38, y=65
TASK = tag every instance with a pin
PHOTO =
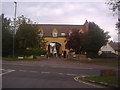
x=107, y=73
x=29, y=57
x=77, y=57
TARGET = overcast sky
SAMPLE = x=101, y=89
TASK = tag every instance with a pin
x=66, y=13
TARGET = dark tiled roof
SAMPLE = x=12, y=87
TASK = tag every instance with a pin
x=48, y=28
x=115, y=45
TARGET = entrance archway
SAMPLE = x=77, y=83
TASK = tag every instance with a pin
x=54, y=49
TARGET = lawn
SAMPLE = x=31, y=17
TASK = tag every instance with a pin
x=112, y=81
x=15, y=59
x=105, y=63
x=9, y=58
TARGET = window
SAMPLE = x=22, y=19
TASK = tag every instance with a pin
x=81, y=31
x=40, y=33
x=70, y=32
x=54, y=33
x=62, y=34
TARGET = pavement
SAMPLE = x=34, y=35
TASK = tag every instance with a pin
x=49, y=73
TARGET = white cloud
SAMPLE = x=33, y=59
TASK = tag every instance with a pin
x=66, y=12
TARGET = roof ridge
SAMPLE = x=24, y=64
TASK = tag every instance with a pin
x=60, y=24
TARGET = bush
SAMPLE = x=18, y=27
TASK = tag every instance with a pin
x=108, y=55
x=19, y=52
x=34, y=52
x=107, y=73
x=92, y=55
x=24, y=52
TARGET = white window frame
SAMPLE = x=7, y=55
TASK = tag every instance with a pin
x=54, y=34
x=63, y=34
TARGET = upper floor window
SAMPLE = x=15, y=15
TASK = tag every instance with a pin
x=54, y=33
x=81, y=31
x=62, y=34
x=40, y=32
x=70, y=32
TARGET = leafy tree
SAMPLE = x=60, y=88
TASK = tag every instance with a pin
x=94, y=39
x=75, y=41
x=7, y=38
x=27, y=36
x=58, y=45
x=115, y=7
x=89, y=42
x=41, y=43
x=21, y=19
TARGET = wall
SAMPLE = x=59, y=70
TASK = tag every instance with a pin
x=61, y=40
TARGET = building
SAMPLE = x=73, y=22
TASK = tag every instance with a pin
x=107, y=49
x=55, y=34
x=111, y=47
x=115, y=46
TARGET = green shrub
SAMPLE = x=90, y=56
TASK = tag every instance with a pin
x=108, y=55
x=34, y=52
x=19, y=52
x=92, y=55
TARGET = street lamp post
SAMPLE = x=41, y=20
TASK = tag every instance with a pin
x=14, y=29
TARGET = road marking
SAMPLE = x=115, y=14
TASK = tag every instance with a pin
x=45, y=72
x=33, y=71
x=22, y=70
x=71, y=74
x=2, y=69
x=7, y=71
x=18, y=64
x=60, y=73
x=87, y=83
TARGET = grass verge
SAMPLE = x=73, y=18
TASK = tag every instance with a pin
x=15, y=59
x=111, y=81
x=115, y=64
x=105, y=63
x=9, y=58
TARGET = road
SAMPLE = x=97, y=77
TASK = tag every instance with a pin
x=46, y=74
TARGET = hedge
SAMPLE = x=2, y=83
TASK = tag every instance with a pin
x=34, y=52
x=24, y=52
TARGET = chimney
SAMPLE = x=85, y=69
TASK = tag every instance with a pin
x=86, y=26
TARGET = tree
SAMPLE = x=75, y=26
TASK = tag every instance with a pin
x=41, y=43
x=94, y=39
x=27, y=36
x=75, y=41
x=115, y=7
x=6, y=37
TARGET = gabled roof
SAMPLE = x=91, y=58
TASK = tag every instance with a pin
x=115, y=45
x=61, y=28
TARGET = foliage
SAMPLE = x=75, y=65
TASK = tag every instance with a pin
x=26, y=36
x=89, y=42
x=94, y=39
x=58, y=45
x=34, y=52
x=9, y=58
x=75, y=41
x=115, y=7
x=7, y=38
x=42, y=43
x=108, y=55
x=112, y=81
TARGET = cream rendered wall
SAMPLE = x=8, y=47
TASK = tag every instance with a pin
x=60, y=40
x=107, y=47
